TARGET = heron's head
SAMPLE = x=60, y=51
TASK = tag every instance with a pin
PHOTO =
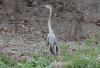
x=48, y=6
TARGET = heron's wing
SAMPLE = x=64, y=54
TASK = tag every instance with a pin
x=48, y=37
x=52, y=40
x=54, y=50
x=53, y=43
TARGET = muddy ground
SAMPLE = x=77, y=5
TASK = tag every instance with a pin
x=23, y=23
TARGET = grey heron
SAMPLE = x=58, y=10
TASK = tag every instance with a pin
x=51, y=38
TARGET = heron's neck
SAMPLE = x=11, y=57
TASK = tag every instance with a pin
x=49, y=21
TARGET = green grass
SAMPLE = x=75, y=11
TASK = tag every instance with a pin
x=90, y=41
x=6, y=62
x=87, y=56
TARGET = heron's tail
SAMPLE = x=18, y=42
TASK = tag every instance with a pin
x=54, y=50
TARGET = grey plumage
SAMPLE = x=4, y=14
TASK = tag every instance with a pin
x=51, y=38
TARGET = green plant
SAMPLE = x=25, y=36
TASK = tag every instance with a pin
x=6, y=62
x=86, y=57
x=38, y=61
x=65, y=54
x=85, y=62
x=90, y=41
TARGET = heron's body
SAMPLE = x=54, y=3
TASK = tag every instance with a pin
x=52, y=41
x=51, y=38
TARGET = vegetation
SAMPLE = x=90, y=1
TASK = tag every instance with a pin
x=87, y=56
x=6, y=62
